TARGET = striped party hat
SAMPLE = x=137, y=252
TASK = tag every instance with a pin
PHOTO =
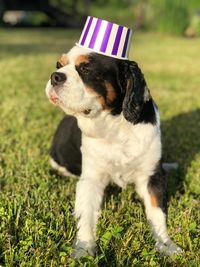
x=106, y=38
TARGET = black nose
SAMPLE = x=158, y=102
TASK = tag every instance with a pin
x=57, y=78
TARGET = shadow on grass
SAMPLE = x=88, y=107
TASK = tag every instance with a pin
x=181, y=142
x=109, y=258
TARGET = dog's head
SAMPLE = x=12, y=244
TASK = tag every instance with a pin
x=88, y=83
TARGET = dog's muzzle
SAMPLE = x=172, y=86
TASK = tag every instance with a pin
x=58, y=78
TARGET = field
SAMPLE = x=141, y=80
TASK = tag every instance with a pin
x=37, y=226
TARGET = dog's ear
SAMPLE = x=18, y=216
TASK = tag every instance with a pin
x=62, y=61
x=135, y=90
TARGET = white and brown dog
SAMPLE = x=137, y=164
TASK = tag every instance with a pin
x=112, y=137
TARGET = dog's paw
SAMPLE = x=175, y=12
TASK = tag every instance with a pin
x=83, y=248
x=168, y=249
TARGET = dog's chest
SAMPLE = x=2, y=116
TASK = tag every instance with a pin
x=125, y=155
x=120, y=149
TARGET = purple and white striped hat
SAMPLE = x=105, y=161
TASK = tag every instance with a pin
x=106, y=38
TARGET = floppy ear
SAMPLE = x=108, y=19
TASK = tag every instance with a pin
x=136, y=91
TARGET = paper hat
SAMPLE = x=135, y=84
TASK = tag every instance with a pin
x=106, y=38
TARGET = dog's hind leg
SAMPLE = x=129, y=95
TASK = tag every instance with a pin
x=153, y=192
x=65, y=153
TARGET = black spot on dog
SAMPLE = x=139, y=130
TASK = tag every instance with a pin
x=65, y=149
x=138, y=106
x=100, y=74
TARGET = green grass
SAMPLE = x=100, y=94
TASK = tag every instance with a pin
x=37, y=226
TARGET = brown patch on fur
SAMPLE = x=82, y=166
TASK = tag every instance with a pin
x=111, y=95
x=129, y=84
x=102, y=101
x=91, y=90
x=81, y=59
x=154, y=202
x=99, y=98
x=63, y=60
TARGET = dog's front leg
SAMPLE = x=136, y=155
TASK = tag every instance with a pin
x=89, y=194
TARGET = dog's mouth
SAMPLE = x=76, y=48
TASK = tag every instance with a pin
x=83, y=111
x=56, y=101
x=87, y=111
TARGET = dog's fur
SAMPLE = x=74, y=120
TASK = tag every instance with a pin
x=113, y=136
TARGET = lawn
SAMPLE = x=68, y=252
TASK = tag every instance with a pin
x=37, y=226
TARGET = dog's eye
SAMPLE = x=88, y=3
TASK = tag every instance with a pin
x=58, y=65
x=84, y=68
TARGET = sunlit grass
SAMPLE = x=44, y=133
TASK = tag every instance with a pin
x=37, y=226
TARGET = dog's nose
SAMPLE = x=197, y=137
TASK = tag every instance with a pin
x=58, y=78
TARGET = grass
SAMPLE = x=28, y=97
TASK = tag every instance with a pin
x=37, y=226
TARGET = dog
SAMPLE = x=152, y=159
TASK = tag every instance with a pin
x=110, y=135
